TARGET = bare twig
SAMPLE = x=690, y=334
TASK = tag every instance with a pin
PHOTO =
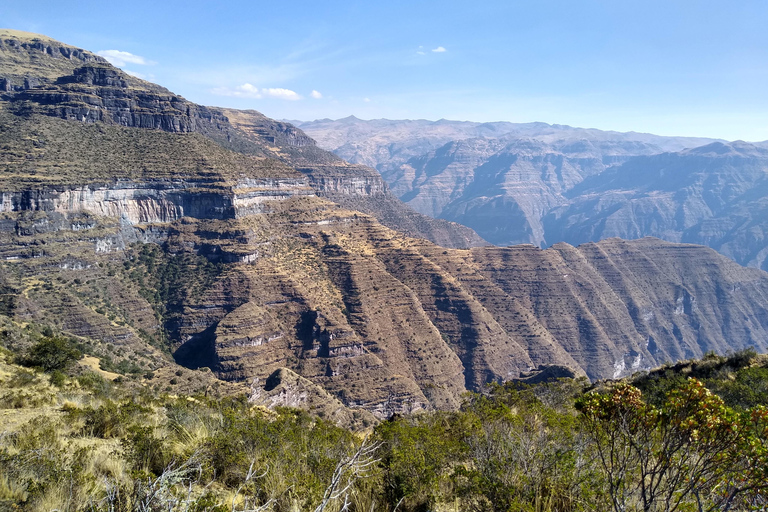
x=347, y=472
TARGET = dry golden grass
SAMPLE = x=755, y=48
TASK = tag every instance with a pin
x=11, y=490
x=92, y=363
x=22, y=36
x=38, y=150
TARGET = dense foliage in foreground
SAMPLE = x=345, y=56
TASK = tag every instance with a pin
x=665, y=441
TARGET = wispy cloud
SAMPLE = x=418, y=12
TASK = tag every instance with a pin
x=423, y=51
x=316, y=94
x=251, y=91
x=277, y=92
x=143, y=76
x=119, y=58
x=306, y=59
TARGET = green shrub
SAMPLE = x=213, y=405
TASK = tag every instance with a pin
x=58, y=378
x=145, y=451
x=209, y=502
x=112, y=419
x=52, y=353
x=100, y=386
x=742, y=358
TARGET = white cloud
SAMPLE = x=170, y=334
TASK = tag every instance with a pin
x=367, y=100
x=251, y=91
x=144, y=76
x=439, y=49
x=120, y=59
x=316, y=94
x=278, y=92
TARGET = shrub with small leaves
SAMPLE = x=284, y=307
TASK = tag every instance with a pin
x=52, y=353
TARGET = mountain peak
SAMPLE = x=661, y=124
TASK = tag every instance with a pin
x=23, y=36
x=29, y=60
x=720, y=149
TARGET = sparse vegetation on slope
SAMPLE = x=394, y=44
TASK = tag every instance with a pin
x=38, y=150
x=191, y=262
x=88, y=444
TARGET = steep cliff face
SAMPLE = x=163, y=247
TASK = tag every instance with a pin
x=715, y=195
x=545, y=184
x=157, y=201
x=42, y=76
x=29, y=60
x=259, y=269
x=95, y=93
x=378, y=320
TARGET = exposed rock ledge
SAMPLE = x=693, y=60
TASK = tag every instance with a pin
x=348, y=184
x=158, y=201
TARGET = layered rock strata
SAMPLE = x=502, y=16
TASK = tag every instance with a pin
x=258, y=264
x=157, y=201
x=42, y=76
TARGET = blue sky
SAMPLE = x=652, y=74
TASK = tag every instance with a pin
x=687, y=67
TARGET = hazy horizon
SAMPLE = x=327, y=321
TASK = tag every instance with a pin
x=688, y=68
x=502, y=121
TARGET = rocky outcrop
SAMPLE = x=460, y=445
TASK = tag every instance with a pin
x=285, y=388
x=28, y=60
x=544, y=184
x=271, y=131
x=45, y=76
x=101, y=93
x=348, y=184
x=252, y=196
x=229, y=257
x=715, y=195
x=158, y=201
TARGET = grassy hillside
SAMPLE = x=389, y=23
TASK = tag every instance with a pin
x=40, y=150
x=78, y=441
x=73, y=440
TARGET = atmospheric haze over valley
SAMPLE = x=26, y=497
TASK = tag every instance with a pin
x=543, y=184
x=207, y=305
x=249, y=250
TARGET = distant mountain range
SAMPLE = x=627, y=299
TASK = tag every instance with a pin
x=144, y=225
x=543, y=184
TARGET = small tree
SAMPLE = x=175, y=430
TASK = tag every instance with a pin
x=692, y=452
x=52, y=353
x=522, y=452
